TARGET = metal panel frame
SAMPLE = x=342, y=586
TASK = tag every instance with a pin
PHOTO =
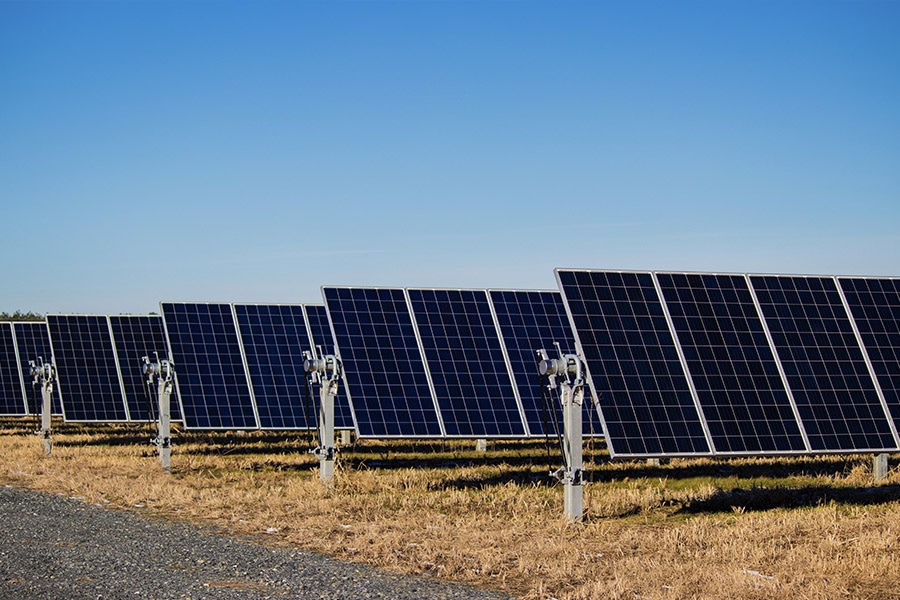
x=61, y=382
x=589, y=377
x=17, y=366
x=848, y=315
x=116, y=340
x=175, y=359
x=512, y=382
x=22, y=339
x=348, y=375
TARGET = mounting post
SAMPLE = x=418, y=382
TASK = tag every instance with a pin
x=880, y=467
x=566, y=373
x=45, y=374
x=326, y=372
x=162, y=373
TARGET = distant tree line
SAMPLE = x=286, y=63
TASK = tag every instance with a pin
x=21, y=316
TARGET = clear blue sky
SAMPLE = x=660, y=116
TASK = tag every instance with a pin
x=255, y=151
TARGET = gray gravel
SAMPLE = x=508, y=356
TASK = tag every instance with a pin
x=53, y=547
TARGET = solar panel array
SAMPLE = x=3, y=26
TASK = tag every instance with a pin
x=33, y=344
x=702, y=364
x=100, y=368
x=435, y=362
x=240, y=366
x=12, y=392
x=137, y=336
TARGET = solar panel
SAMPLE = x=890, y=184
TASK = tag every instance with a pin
x=743, y=398
x=464, y=357
x=825, y=367
x=385, y=375
x=875, y=306
x=210, y=374
x=274, y=338
x=320, y=336
x=530, y=321
x=87, y=372
x=633, y=362
x=33, y=344
x=12, y=388
x=137, y=336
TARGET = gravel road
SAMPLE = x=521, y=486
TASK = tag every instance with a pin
x=53, y=547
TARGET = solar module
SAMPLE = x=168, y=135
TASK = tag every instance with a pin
x=635, y=371
x=875, y=306
x=826, y=370
x=12, y=388
x=320, y=337
x=210, y=374
x=530, y=320
x=386, y=380
x=464, y=356
x=137, y=336
x=33, y=344
x=744, y=401
x=87, y=372
x=274, y=337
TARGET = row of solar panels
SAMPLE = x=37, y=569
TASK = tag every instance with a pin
x=681, y=363
x=428, y=363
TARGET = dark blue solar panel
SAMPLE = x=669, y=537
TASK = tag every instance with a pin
x=88, y=375
x=464, y=356
x=135, y=337
x=274, y=337
x=530, y=321
x=734, y=371
x=320, y=336
x=875, y=305
x=210, y=374
x=825, y=367
x=12, y=395
x=384, y=371
x=33, y=343
x=635, y=371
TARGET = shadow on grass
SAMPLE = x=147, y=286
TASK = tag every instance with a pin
x=762, y=499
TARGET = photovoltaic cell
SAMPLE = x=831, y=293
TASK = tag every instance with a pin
x=875, y=306
x=530, y=321
x=464, y=356
x=634, y=369
x=87, y=372
x=824, y=365
x=734, y=371
x=384, y=371
x=33, y=343
x=320, y=336
x=12, y=399
x=137, y=336
x=274, y=338
x=210, y=374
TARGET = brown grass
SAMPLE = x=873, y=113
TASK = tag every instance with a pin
x=809, y=527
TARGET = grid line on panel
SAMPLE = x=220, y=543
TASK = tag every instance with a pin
x=274, y=338
x=12, y=401
x=137, y=336
x=210, y=374
x=734, y=371
x=320, y=336
x=464, y=358
x=87, y=372
x=387, y=384
x=531, y=320
x=33, y=344
x=875, y=306
x=646, y=404
x=824, y=364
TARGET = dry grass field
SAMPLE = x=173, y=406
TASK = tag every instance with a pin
x=808, y=527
